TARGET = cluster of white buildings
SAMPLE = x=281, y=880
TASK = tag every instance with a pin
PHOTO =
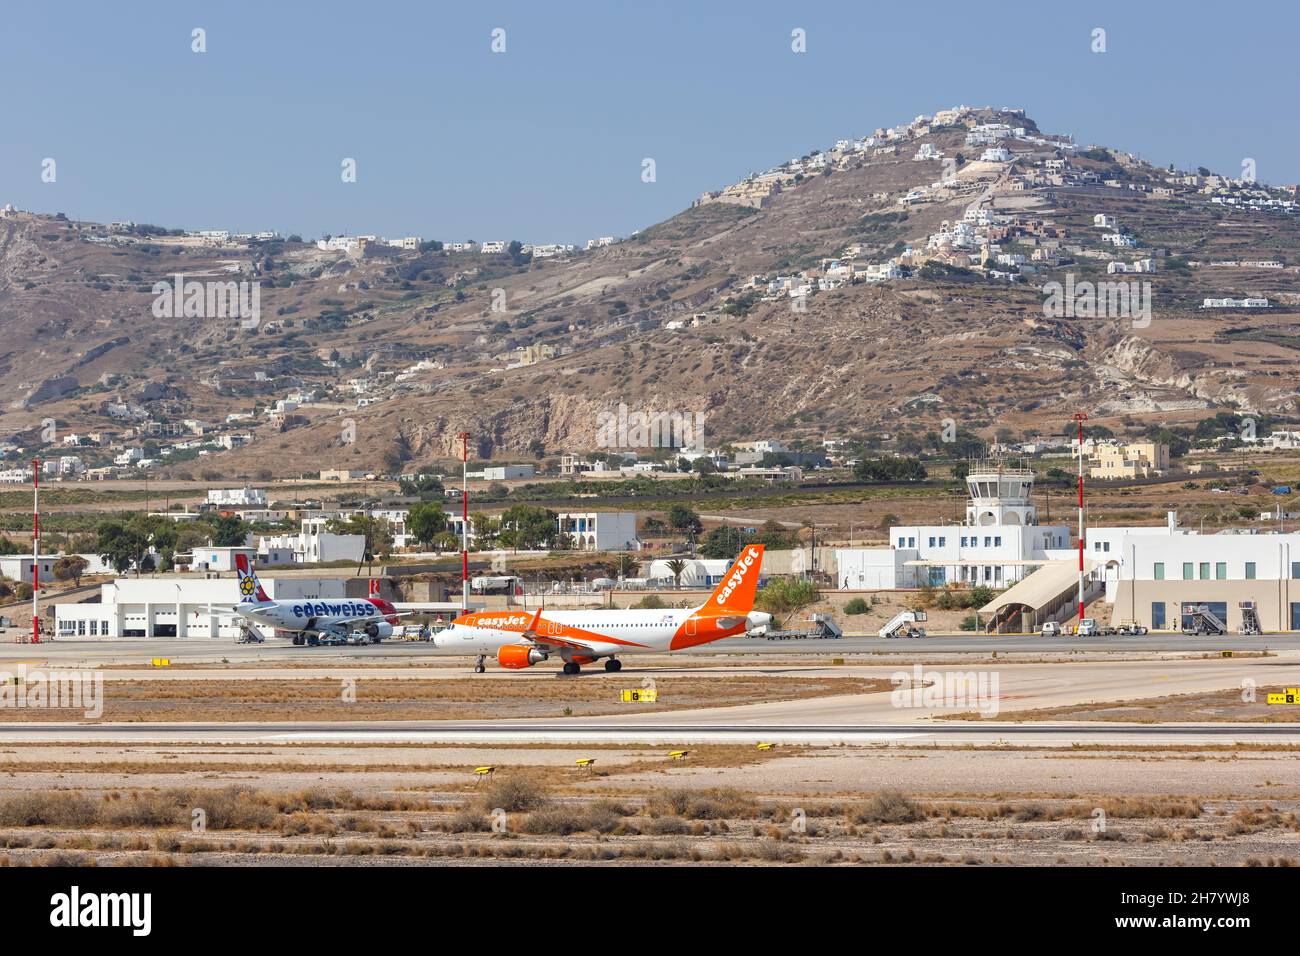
x=1231, y=303
x=356, y=244
x=61, y=467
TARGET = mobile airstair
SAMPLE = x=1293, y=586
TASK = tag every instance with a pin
x=249, y=634
x=1250, y=618
x=903, y=624
x=1198, y=619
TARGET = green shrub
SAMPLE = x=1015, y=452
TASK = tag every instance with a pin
x=857, y=606
x=784, y=595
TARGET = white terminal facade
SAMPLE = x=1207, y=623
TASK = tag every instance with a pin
x=1152, y=575
x=999, y=542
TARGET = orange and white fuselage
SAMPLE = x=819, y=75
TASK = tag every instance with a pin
x=522, y=638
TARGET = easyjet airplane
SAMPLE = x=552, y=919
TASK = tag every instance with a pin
x=519, y=639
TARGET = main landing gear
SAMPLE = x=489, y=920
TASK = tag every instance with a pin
x=478, y=666
x=571, y=668
x=613, y=665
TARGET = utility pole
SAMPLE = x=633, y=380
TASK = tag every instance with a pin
x=1080, y=417
x=464, y=523
x=36, y=549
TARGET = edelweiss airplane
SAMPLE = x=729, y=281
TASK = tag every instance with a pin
x=308, y=620
x=519, y=639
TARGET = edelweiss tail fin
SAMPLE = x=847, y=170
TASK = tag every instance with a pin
x=250, y=589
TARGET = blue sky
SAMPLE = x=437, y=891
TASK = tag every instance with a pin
x=545, y=141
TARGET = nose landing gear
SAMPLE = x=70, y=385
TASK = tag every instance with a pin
x=478, y=666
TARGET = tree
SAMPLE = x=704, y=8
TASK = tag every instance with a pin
x=786, y=595
x=890, y=469
x=515, y=250
x=528, y=526
x=724, y=541
x=192, y=535
x=378, y=532
x=486, y=529
x=961, y=471
x=427, y=522
x=229, y=531
x=121, y=546
x=677, y=566
x=71, y=566
x=682, y=518
x=626, y=566
x=424, y=487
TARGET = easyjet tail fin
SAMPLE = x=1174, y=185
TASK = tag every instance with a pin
x=735, y=593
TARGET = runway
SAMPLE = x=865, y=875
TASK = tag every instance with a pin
x=859, y=718
x=597, y=731
x=195, y=650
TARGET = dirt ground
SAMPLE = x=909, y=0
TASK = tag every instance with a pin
x=378, y=698
x=109, y=804
x=1226, y=705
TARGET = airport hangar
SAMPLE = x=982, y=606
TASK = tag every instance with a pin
x=187, y=606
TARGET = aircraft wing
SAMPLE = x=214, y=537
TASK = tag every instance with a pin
x=549, y=641
x=348, y=625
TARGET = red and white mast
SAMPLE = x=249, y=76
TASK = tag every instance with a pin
x=464, y=522
x=1080, y=417
x=36, y=549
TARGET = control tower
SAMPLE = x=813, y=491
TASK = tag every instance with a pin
x=1001, y=493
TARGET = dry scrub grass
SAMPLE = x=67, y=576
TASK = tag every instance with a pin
x=401, y=699
x=1211, y=706
x=712, y=825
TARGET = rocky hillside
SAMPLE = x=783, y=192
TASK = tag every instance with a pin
x=680, y=318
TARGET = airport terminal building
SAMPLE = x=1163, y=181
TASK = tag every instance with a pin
x=1155, y=579
x=999, y=543
x=183, y=606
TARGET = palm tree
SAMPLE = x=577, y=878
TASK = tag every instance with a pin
x=626, y=566
x=677, y=566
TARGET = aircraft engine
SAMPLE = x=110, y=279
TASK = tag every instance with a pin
x=378, y=630
x=516, y=656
